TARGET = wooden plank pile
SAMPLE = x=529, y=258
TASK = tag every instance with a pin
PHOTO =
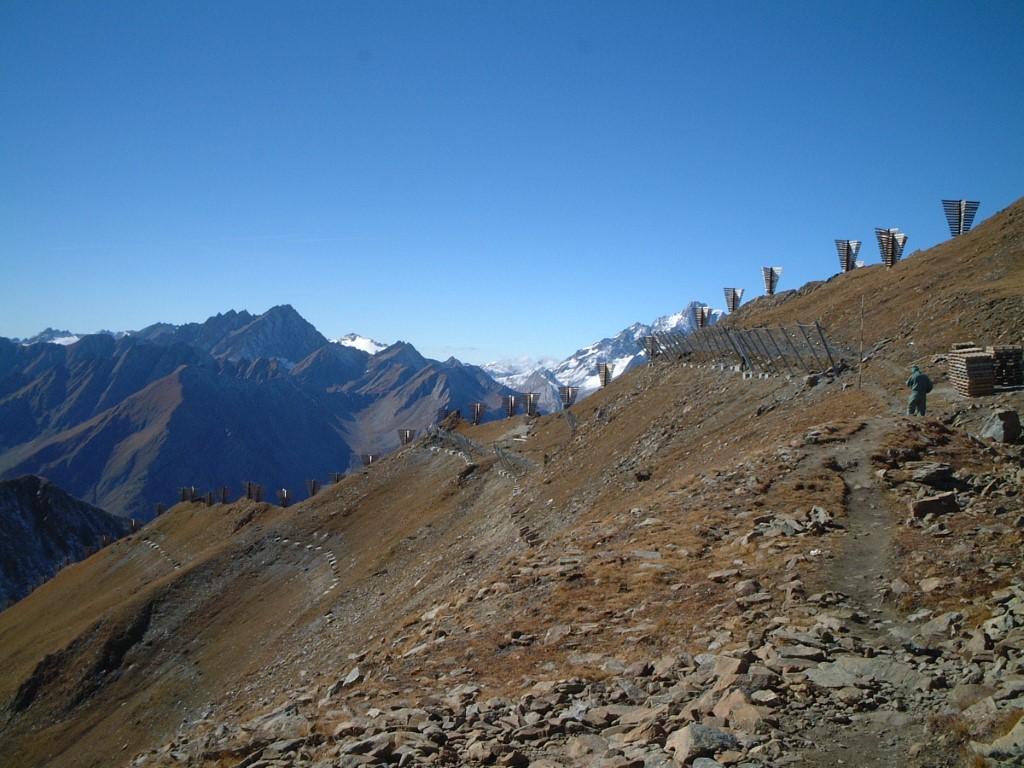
x=972, y=371
x=1008, y=362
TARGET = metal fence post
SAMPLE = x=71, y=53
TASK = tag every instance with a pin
x=796, y=351
x=810, y=346
x=778, y=349
x=824, y=343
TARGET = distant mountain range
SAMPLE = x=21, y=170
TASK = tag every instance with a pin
x=123, y=420
x=622, y=352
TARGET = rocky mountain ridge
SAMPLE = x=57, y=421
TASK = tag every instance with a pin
x=124, y=422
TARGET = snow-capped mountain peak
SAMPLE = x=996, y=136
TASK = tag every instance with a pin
x=360, y=342
x=514, y=366
x=622, y=352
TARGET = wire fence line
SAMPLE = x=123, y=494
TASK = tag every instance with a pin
x=458, y=441
x=513, y=463
x=786, y=351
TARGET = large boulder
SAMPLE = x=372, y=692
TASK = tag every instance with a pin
x=1008, y=747
x=940, y=504
x=696, y=740
x=1003, y=427
x=931, y=473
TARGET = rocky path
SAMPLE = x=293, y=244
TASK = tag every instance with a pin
x=880, y=736
x=909, y=674
x=865, y=564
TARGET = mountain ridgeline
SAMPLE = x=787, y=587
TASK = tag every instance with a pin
x=622, y=352
x=123, y=422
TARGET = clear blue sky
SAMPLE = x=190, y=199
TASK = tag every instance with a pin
x=481, y=179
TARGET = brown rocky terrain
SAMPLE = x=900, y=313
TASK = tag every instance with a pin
x=710, y=569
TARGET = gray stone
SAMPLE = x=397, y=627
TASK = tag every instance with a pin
x=943, y=625
x=890, y=719
x=850, y=695
x=556, y=634
x=929, y=472
x=283, y=746
x=513, y=759
x=353, y=677
x=1006, y=747
x=586, y=745
x=800, y=651
x=746, y=587
x=887, y=670
x=353, y=761
x=285, y=723
x=766, y=698
x=632, y=691
x=940, y=504
x=930, y=584
x=723, y=576
x=1003, y=427
x=696, y=740
x=831, y=676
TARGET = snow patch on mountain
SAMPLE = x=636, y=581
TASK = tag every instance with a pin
x=360, y=342
x=622, y=352
x=515, y=372
x=65, y=341
x=64, y=338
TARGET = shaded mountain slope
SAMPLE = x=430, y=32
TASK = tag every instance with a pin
x=41, y=529
x=279, y=333
x=194, y=427
x=410, y=397
x=389, y=369
x=51, y=388
x=264, y=430
x=743, y=554
x=110, y=453
x=331, y=367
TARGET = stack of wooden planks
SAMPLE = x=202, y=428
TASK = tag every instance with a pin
x=972, y=371
x=1008, y=365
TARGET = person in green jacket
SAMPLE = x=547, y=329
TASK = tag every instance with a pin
x=920, y=385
